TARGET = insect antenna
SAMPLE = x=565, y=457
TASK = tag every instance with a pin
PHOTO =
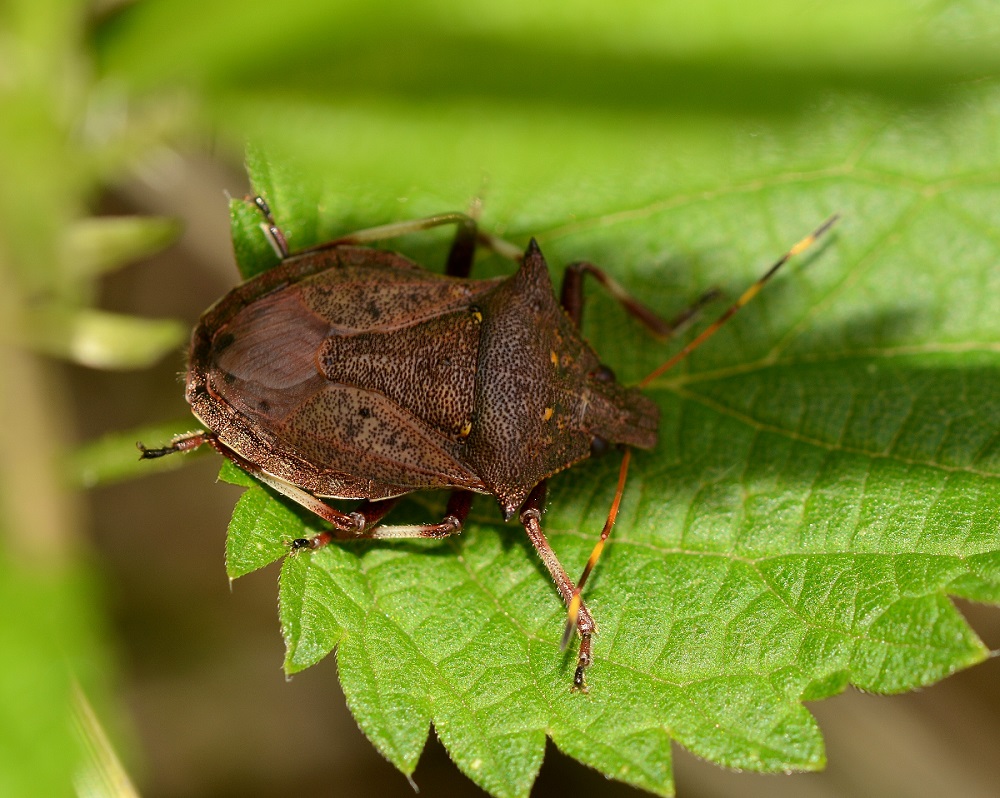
x=573, y=612
x=747, y=295
x=574, y=604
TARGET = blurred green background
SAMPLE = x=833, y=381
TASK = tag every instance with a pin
x=122, y=125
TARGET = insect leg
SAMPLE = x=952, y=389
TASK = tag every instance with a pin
x=463, y=248
x=350, y=524
x=467, y=230
x=572, y=300
x=459, y=505
x=459, y=263
x=182, y=443
x=531, y=518
x=573, y=613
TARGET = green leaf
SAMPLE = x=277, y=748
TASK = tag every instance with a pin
x=261, y=529
x=48, y=635
x=826, y=475
x=694, y=55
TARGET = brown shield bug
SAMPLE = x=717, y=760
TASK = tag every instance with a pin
x=348, y=372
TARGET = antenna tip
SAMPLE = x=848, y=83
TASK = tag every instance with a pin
x=810, y=239
x=826, y=225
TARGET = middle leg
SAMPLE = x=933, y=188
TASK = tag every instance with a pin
x=572, y=301
x=531, y=518
x=467, y=238
x=372, y=512
x=459, y=264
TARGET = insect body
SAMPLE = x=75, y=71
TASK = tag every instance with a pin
x=353, y=373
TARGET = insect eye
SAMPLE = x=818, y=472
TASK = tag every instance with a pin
x=598, y=446
x=604, y=374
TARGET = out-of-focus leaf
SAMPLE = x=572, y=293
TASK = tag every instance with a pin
x=104, y=243
x=47, y=636
x=101, y=774
x=99, y=339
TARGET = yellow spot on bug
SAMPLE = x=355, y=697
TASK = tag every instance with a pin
x=547, y=414
x=476, y=764
x=554, y=357
x=466, y=429
x=477, y=315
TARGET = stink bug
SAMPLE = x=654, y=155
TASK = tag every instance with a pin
x=348, y=372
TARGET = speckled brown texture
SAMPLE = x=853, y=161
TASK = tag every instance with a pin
x=533, y=360
x=354, y=373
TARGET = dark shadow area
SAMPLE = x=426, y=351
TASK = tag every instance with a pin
x=438, y=69
x=429, y=65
